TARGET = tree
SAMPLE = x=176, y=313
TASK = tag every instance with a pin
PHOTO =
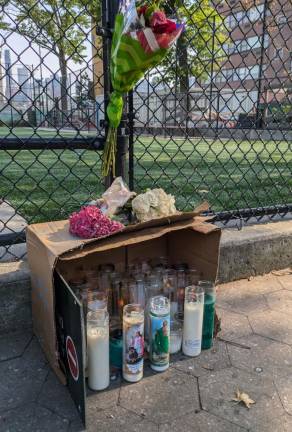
x=197, y=48
x=84, y=90
x=60, y=26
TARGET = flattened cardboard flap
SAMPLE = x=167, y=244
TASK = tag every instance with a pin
x=55, y=236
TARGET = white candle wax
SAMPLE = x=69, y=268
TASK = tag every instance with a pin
x=98, y=357
x=175, y=342
x=192, y=331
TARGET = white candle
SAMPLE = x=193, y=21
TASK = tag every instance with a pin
x=98, y=351
x=175, y=343
x=193, y=322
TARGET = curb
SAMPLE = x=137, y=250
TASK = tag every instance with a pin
x=255, y=250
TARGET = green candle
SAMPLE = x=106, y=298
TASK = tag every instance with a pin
x=208, y=321
x=209, y=313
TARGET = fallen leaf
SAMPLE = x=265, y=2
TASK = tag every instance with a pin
x=210, y=368
x=244, y=398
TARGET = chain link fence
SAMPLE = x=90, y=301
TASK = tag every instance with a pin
x=213, y=122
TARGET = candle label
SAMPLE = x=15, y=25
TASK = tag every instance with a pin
x=159, y=343
x=133, y=348
x=192, y=343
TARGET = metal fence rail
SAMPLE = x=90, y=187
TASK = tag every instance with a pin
x=213, y=122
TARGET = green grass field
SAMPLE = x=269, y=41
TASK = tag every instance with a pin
x=50, y=184
x=27, y=132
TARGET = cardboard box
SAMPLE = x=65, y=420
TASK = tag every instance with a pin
x=54, y=255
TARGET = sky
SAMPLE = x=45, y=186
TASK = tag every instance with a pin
x=27, y=53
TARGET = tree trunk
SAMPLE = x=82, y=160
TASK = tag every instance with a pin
x=64, y=88
x=183, y=76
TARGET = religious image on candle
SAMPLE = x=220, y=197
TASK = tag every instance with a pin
x=133, y=330
x=160, y=340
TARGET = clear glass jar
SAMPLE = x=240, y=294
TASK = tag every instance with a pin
x=193, y=320
x=116, y=289
x=192, y=276
x=116, y=343
x=133, y=342
x=98, y=349
x=170, y=289
x=153, y=285
x=159, y=263
x=92, y=279
x=104, y=280
x=96, y=300
x=175, y=336
x=137, y=293
x=181, y=285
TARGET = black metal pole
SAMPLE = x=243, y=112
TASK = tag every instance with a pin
x=131, y=139
x=212, y=71
x=109, y=11
x=258, y=120
x=106, y=69
x=217, y=111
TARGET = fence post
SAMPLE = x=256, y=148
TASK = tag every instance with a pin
x=259, y=114
x=131, y=138
x=109, y=11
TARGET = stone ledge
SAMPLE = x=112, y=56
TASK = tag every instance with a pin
x=255, y=250
x=14, y=271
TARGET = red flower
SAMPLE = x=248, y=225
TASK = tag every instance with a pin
x=142, y=10
x=160, y=24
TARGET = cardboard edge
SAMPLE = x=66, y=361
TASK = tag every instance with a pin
x=134, y=237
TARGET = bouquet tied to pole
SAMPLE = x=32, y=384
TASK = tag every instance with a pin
x=141, y=39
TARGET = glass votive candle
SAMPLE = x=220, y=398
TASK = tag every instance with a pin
x=193, y=320
x=98, y=349
x=133, y=342
x=175, y=336
x=137, y=290
x=209, y=313
x=181, y=285
x=192, y=277
x=116, y=343
x=96, y=300
x=170, y=289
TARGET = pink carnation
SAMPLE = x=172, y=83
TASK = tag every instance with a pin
x=90, y=222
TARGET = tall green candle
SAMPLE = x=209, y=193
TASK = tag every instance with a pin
x=209, y=313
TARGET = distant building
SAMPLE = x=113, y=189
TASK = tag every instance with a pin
x=10, y=83
x=1, y=82
x=259, y=58
x=53, y=84
x=23, y=80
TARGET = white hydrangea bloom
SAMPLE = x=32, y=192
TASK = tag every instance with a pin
x=153, y=204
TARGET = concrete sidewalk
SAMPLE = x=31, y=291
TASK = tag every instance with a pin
x=253, y=354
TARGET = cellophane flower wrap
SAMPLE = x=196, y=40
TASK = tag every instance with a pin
x=142, y=37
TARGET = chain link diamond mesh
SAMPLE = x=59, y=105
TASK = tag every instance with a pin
x=213, y=122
